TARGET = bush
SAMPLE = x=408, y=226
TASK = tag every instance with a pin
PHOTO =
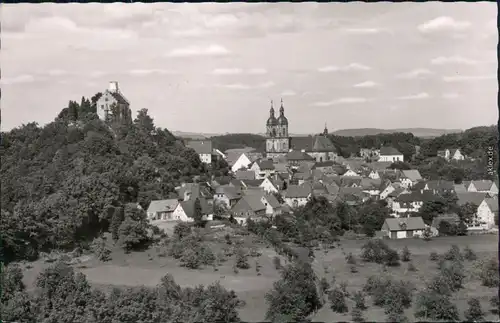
x=385, y=292
x=100, y=249
x=405, y=254
x=343, y=288
x=182, y=230
x=495, y=304
x=453, y=254
x=469, y=254
x=392, y=258
x=227, y=237
x=474, y=313
x=337, y=301
x=241, y=259
x=434, y=256
x=433, y=306
x=353, y=269
x=324, y=285
x=359, y=300
x=357, y=315
x=351, y=260
x=489, y=273
x=411, y=267
x=378, y=251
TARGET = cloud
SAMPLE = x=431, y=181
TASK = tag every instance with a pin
x=443, y=24
x=366, y=84
x=236, y=71
x=227, y=71
x=25, y=78
x=450, y=96
x=452, y=60
x=257, y=71
x=143, y=72
x=350, y=67
x=288, y=93
x=241, y=86
x=420, y=96
x=212, y=50
x=363, y=31
x=416, y=73
x=466, y=78
x=340, y=101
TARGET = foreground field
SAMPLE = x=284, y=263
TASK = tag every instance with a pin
x=146, y=268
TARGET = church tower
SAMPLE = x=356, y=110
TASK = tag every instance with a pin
x=278, y=141
x=325, y=131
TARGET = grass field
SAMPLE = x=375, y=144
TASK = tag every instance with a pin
x=147, y=268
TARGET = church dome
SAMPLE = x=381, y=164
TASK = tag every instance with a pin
x=282, y=120
x=272, y=121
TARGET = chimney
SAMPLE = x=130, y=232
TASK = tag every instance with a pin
x=113, y=87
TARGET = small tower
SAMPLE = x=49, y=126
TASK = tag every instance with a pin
x=325, y=131
x=113, y=87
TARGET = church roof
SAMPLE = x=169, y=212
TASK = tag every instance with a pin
x=323, y=144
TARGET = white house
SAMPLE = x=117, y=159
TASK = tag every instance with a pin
x=184, y=211
x=484, y=186
x=374, y=175
x=243, y=162
x=350, y=172
x=410, y=177
x=204, y=150
x=486, y=213
x=162, y=210
x=451, y=154
x=296, y=195
x=390, y=154
x=403, y=228
x=263, y=168
x=269, y=186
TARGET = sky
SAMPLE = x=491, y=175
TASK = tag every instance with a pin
x=214, y=68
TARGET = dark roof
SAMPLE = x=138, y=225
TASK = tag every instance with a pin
x=297, y=155
x=223, y=180
x=297, y=191
x=237, y=183
x=230, y=192
x=385, y=151
x=323, y=144
x=327, y=163
x=302, y=143
x=471, y=197
x=252, y=182
x=302, y=176
x=200, y=146
x=265, y=164
x=271, y=199
x=249, y=203
x=492, y=204
x=162, y=206
x=483, y=185
x=119, y=98
x=403, y=224
x=196, y=190
x=412, y=174
x=417, y=196
x=188, y=207
x=244, y=174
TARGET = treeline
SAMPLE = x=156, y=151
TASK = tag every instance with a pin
x=63, y=183
x=239, y=140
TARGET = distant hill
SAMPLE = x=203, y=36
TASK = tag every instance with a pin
x=194, y=135
x=417, y=132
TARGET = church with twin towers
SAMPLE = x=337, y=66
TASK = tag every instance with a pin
x=279, y=144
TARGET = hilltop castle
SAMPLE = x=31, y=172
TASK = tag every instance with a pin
x=279, y=143
x=113, y=107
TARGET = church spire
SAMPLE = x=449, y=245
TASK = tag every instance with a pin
x=282, y=110
x=271, y=111
x=325, y=131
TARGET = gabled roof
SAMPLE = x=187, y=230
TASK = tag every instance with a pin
x=119, y=97
x=323, y=144
x=273, y=202
x=222, y=180
x=302, y=143
x=403, y=224
x=265, y=164
x=302, y=176
x=232, y=155
x=397, y=192
x=281, y=167
x=332, y=189
x=244, y=174
x=470, y=197
x=492, y=203
x=230, y=192
x=350, y=181
x=297, y=191
x=200, y=146
x=332, y=180
x=196, y=190
x=249, y=203
x=460, y=188
x=162, y=206
x=417, y=196
x=378, y=165
x=252, y=182
x=296, y=155
x=327, y=163
x=188, y=207
x=389, y=151
x=370, y=184
x=483, y=185
x=412, y=174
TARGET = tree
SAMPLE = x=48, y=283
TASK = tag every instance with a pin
x=469, y=254
x=116, y=221
x=434, y=306
x=489, y=273
x=198, y=213
x=474, y=313
x=100, y=249
x=133, y=232
x=406, y=254
x=359, y=300
x=357, y=315
x=337, y=301
x=182, y=230
x=495, y=304
x=242, y=259
x=294, y=296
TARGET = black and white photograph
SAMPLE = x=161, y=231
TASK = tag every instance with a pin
x=249, y=162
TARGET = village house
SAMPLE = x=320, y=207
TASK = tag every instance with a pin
x=296, y=158
x=251, y=183
x=244, y=161
x=484, y=186
x=296, y=195
x=249, y=207
x=410, y=177
x=436, y=186
x=369, y=153
x=185, y=210
x=229, y=195
x=371, y=187
x=373, y=175
x=271, y=185
x=390, y=154
x=162, y=210
x=476, y=199
x=113, y=107
x=403, y=228
x=487, y=213
x=352, y=195
x=205, y=150
x=451, y=154
x=273, y=206
x=191, y=191
x=326, y=167
x=263, y=168
x=393, y=195
x=411, y=203
x=244, y=174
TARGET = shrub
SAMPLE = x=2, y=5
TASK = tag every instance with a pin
x=227, y=237
x=474, y=313
x=359, y=300
x=357, y=315
x=405, y=254
x=254, y=252
x=440, y=285
x=495, y=304
x=242, y=259
x=411, y=267
x=431, y=305
x=182, y=230
x=489, y=273
x=100, y=249
x=343, y=288
x=433, y=256
x=353, y=269
x=469, y=254
x=337, y=301
x=374, y=251
x=392, y=258
x=427, y=234
x=453, y=254
x=324, y=285
x=372, y=282
x=351, y=260
x=454, y=273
